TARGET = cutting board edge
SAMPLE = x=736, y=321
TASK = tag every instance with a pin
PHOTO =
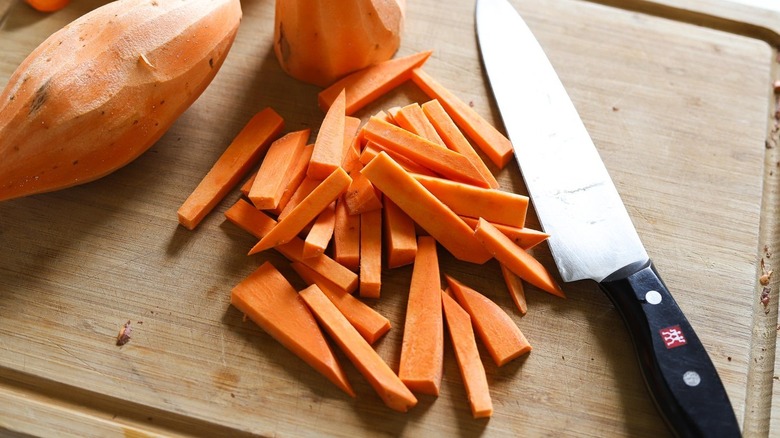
x=726, y=16
x=770, y=35
x=39, y=401
x=763, y=349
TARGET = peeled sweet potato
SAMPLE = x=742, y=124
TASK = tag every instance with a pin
x=320, y=41
x=99, y=92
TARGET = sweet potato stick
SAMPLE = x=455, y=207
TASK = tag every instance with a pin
x=466, y=353
x=361, y=196
x=370, y=254
x=496, y=206
x=291, y=181
x=294, y=178
x=427, y=211
x=422, y=348
x=371, y=150
x=248, y=184
x=351, y=152
x=412, y=118
x=245, y=216
x=436, y=158
x=271, y=302
x=287, y=228
x=301, y=192
x=321, y=232
x=494, y=144
x=367, y=321
x=242, y=153
x=329, y=145
x=385, y=115
x=455, y=140
x=346, y=237
x=400, y=235
x=501, y=336
x=516, y=259
x=368, y=84
x=525, y=238
x=514, y=285
x=279, y=162
x=379, y=375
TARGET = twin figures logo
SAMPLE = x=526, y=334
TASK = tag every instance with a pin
x=673, y=336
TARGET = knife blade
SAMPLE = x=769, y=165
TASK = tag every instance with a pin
x=591, y=233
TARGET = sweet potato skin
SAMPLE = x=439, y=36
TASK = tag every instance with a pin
x=99, y=92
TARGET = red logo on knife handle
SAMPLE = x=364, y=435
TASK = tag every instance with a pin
x=673, y=336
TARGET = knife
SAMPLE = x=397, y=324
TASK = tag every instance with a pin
x=591, y=234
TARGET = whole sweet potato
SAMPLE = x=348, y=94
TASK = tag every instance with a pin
x=102, y=90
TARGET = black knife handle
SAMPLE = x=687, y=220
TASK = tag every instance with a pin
x=678, y=371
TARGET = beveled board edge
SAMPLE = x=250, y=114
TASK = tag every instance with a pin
x=762, y=24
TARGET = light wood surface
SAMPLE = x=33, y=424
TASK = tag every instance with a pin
x=682, y=114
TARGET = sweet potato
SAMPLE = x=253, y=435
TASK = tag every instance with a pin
x=48, y=5
x=370, y=254
x=514, y=285
x=367, y=321
x=422, y=349
x=247, y=217
x=329, y=146
x=524, y=237
x=280, y=161
x=319, y=41
x=99, y=92
x=496, y=206
x=400, y=235
x=321, y=232
x=454, y=138
x=515, y=258
x=243, y=152
x=271, y=302
x=493, y=143
x=372, y=149
x=300, y=216
x=366, y=85
x=379, y=375
x=361, y=196
x=466, y=353
x=413, y=119
x=346, y=237
x=427, y=211
x=431, y=155
x=501, y=336
x=351, y=152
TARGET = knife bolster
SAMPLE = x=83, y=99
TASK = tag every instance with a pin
x=628, y=270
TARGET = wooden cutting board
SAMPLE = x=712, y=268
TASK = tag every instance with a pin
x=679, y=101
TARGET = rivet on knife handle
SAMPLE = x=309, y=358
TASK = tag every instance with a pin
x=676, y=367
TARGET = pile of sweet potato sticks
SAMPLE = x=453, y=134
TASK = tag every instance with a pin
x=393, y=188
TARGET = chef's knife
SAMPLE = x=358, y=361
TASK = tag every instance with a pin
x=591, y=234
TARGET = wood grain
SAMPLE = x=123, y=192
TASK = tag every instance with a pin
x=680, y=113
